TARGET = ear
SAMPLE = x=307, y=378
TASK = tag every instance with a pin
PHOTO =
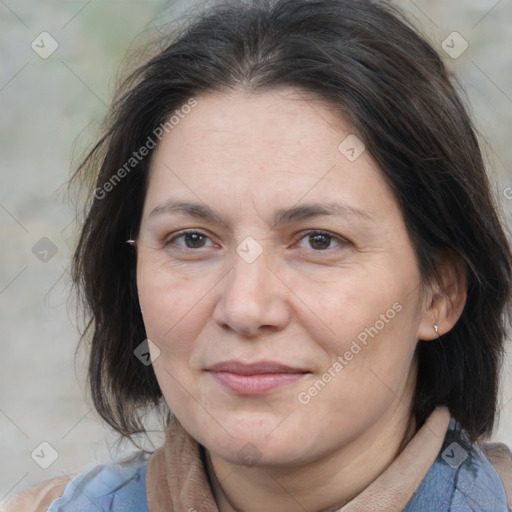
x=444, y=302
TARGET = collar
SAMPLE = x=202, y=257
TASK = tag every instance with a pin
x=177, y=481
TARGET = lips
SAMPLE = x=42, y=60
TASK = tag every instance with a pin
x=254, y=378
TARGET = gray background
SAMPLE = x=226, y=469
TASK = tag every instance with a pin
x=50, y=112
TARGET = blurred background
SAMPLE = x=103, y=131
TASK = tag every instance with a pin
x=59, y=61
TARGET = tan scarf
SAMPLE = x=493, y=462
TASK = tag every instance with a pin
x=177, y=481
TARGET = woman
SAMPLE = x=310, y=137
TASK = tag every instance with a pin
x=291, y=243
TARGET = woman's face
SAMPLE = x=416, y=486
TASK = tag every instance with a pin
x=278, y=284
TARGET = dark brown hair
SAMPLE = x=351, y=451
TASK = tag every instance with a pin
x=362, y=58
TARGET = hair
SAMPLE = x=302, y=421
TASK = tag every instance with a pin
x=366, y=61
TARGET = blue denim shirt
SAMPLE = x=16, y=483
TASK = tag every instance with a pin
x=460, y=480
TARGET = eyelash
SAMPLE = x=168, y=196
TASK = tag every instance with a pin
x=341, y=241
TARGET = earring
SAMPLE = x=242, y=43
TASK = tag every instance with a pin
x=436, y=328
x=131, y=242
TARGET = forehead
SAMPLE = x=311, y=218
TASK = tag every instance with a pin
x=265, y=147
x=278, y=119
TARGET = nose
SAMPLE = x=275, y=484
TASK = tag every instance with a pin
x=253, y=299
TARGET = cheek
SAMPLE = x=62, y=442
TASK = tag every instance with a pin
x=363, y=324
x=343, y=306
x=171, y=308
x=168, y=300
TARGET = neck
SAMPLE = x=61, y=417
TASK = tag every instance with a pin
x=331, y=481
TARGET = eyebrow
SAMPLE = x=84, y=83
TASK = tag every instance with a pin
x=280, y=217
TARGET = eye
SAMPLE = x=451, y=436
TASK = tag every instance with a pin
x=189, y=240
x=322, y=240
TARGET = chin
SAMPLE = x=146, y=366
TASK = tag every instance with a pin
x=257, y=445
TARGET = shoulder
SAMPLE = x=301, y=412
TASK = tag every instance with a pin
x=501, y=458
x=38, y=497
x=115, y=487
x=461, y=479
x=478, y=485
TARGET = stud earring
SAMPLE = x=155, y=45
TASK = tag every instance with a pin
x=436, y=328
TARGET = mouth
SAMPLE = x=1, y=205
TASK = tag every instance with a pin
x=258, y=378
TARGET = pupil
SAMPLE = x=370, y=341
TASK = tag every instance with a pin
x=320, y=241
x=194, y=240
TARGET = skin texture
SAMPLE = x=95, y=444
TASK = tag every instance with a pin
x=302, y=302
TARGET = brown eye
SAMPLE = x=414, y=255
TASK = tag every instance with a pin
x=190, y=240
x=194, y=240
x=320, y=241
